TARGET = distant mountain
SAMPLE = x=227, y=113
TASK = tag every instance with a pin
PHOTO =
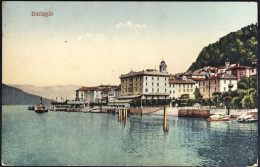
x=240, y=47
x=14, y=96
x=51, y=92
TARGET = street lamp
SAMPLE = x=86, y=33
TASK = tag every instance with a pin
x=227, y=100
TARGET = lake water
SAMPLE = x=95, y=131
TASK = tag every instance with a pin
x=69, y=138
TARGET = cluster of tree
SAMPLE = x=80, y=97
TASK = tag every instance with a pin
x=150, y=102
x=245, y=96
x=239, y=47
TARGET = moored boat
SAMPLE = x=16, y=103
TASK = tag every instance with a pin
x=96, y=110
x=217, y=117
x=246, y=118
x=31, y=107
x=40, y=108
x=85, y=110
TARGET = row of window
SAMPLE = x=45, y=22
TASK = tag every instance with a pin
x=140, y=78
x=225, y=89
x=146, y=84
x=186, y=90
x=157, y=78
x=146, y=90
x=210, y=82
x=214, y=88
x=183, y=85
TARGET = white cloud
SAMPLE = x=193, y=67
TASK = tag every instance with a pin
x=129, y=24
x=95, y=37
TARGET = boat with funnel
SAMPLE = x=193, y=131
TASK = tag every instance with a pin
x=40, y=108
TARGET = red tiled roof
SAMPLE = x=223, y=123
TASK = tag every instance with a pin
x=222, y=67
x=213, y=69
x=188, y=73
x=255, y=61
x=222, y=75
x=237, y=67
x=198, y=79
x=87, y=88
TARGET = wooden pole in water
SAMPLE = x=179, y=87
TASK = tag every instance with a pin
x=119, y=115
x=165, y=128
x=125, y=115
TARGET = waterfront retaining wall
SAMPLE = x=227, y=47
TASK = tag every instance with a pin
x=194, y=113
x=147, y=110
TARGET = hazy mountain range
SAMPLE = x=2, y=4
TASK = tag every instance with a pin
x=14, y=96
x=51, y=92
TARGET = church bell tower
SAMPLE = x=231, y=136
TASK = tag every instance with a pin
x=163, y=66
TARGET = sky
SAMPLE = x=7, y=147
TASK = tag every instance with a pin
x=93, y=43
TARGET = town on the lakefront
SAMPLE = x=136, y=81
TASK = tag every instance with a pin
x=130, y=84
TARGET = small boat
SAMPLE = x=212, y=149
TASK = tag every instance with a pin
x=31, y=107
x=95, y=110
x=73, y=109
x=41, y=108
x=246, y=118
x=217, y=117
x=85, y=110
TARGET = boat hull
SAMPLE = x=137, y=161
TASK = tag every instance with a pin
x=248, y=121
x=218, y=120
x=41, y=111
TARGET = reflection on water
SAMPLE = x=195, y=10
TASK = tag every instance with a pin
x=61, y=138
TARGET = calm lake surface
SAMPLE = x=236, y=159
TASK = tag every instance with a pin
x=68, y=138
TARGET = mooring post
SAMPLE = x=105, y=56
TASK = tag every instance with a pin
x=165, y=128
x=119, y=115
x=125, y=115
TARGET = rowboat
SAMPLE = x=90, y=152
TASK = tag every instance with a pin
x=246, y=118
x=219, y=118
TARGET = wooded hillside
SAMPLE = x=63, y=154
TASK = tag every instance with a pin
x=239, y=47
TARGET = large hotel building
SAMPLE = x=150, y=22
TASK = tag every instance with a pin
x=149, y=84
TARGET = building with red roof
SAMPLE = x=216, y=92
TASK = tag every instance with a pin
x=218, y=83
x=239, y=71
x=181, y=88
x=97, y=94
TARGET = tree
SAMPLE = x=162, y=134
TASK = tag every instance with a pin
x=197, y=95
x=216, y=93
x=224, y=94
x=246, y=102
x=153, y=102
x=240, y=47
x=214, y=99
x=254, y=99
x=147, y=102
x=236, y=102
x=159, y=102
x=241, y=85
x=209, y=102
x=233, y=93
x=241, y=92
x=203, y=102
x=220, y=100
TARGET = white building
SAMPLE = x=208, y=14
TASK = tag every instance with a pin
x=98, y=94
x=89, y=94
x=181, y=89
x=149, y=84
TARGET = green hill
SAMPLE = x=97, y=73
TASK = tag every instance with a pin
x=14, y=96
x=240, y=47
